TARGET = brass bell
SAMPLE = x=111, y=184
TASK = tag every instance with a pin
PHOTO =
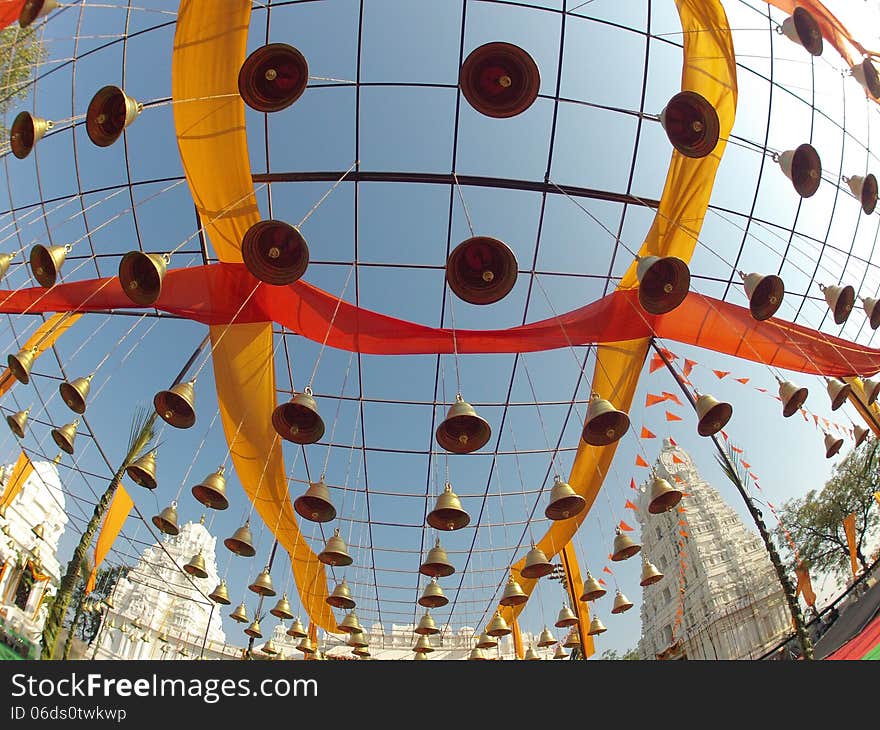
x=335, y=552
x=859, y=434
x=108, y=601
x=448, y=513
x=872, y=309
x=275, y=252
x=177, y=406
x=241, y=542
x=26, y=131
x=565, y=618
x=298, y=421
x=297, y=630
x=270, y=648
x=350, y=623
x=142, y=471
x=832, y=445
x=46, y=263
x=477, y=655
x=463, y=431
x=803, y=167
x=361, y=651
x=560, y=653
x=315, y=504
x=486, y=642
x=596, y=627
x=866, y=74
x=650, y=574
x=39, y=530
x=254, y=629
x=64, y=436
x=546, y=638
x=211, y=492
x=802, y=28
x=433, y=596
x=75, y=392
x=20, y=365
x=341, y=596
x=499, y=80
x=426, y=625
x=573, y=640
x=872, y=389
x=5, y=262
x=273, y=77
x=481, y=270
x=423, y=646
x=110, y=111
x=163, y=637
x=624, y=546
x=604, y=423
x=792, y=397
x=141, y=275
x=33, y=9
x=691, y=123
x=663, y=283
x=513, y=594
x=166, y=520
x=282, y=609
x=838, y=392
x=840, y=301
x=437, y=564
x=765, y=293
x=564, y=501
x=306, y=646
x=498, y=626
x=713, y=415
x=621, y=603
x=196, y=566
x=865, y=189
x=220, y=594
x=537, y=565
x=263, y=584
x=663, y=496
x=420, y=656
x=18, y=422
x=358, y=640
x=531, y=654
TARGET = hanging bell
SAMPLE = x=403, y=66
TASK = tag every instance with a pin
x=254, y=629
x=297, y=630
x=275, y=252
x=437, y=563
x=141, y=275
x=463, y=431
x=162, y=636
x=840, y=301
x=306, y=646
x=241, y=542
x=713, y=415
x=177, y=406
x=499, y=80
x=546, y=638
x=270, y=648
x=803, y=167
x=108, y=602
x=5, y=262
x=433, y=596
x=564, y=501
x=691, y=123
x=20, y=365
x=350, y=623
x=872, y=309
x=560, y=653
x=335, y=552
x=604, y=423
x=426, y=625
x=802, y=28
x=765, y=293
x=358, y=640
x=871, y=388
x=865, y=189
x=39, y=530
x=663, y=496
x=621, y=603
x=624, y=546
x=196, y=566
x=866, y=74
x=792, y=397
x=46, y=263
x=596, y=627
x=573, y=640
x=537, y=565
x=282, y=609
x=315, y=504
x=448, y=513
x=593, y=589
x=859, y=434
x=481, y=270
x=220, y=594
x=650, y=574
x=423, y=646
x=110, y=111
x=477, y=655
x=262, y=586
x=64, y=436
x=211, y=492
x=26, y=131
x=531, y=655
x=838, y=392
x=486, y=642
x=663, y=283
x=498, y=626
x=298, y=421
x=361, y=651
x=273, y=77
x=75, y=392
x=33, y=9
x=18, y=422
x=832, y=445
x=341, y=597
x=142, y=471
x=166, y=520
x=565, y=618
x=513, y=594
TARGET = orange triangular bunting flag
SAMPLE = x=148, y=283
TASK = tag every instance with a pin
x=682, y=533
x=640, y=461
x=606, y=569
x=602, y=582
x=625, y=527
x=646, y=434
x=673, y=397
x=632, y=483
x=746, y=465
x=737, y=450
x=653, y=400
x=685, y=494
x=688, y=366
x=724, y=435
x=721, y=374
x=761, y=390
x=656, y=363
x=681, y=509
x=742, y=380
x=677, y=478
x=672, y=441
x=630, y=505
x=677, y=459
x=670, y=416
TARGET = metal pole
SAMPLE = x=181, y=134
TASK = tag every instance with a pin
x=192, y=359
x=207, y=628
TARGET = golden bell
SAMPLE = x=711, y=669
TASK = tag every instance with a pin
x=341, y=597
x=176, y=406
x=433, y=596
x=39, y=530
x=604, y=423
x=269, y=648
x=564, y=501
x=273, y=77
x=537, y=565
x=803, y=167
x=196, y=566
x=866, y=74
x=142, y=471
x=426, y=625
x=275, y=252
x=792, y=397
x=802, y=28
x=650, y=574
x=448, y=513
x=108, y=601
x=141, y=275
x=297, y=630
x=420, y=656
x=437, y=564
x=872, y=309
x=46, y=263
x=859, y=434
x=531, y=655
x=663, y=283
x=64, y=436
x=211, y=492
x=298, y=421
x=872, y=389
x=335, y=552
x=865, y=189
x=840, y=301
x=832, y=445
x=254, y=630
x=513, y=594
x=573, y=640
x=26, y=131
x=361, y=651
x=75, y=392
x=691, y=124
x=624, y=546
x=315, y=505
x=163, y=637
x=20, y=365
x=498, y=626
x=565, y=618
x=713, y=415
x=765, y=293
x=350, y=623
x=664, y=496
x=477, y=655
x=5, y=262
x=463, y=431
x=481, y=270
x=596, y=627
x=838, y=392
x=241, y=542
x=166, y=520
x=358, y=640
x=486, y=642
x=423, y=646
x=263, y=584
x=110, y=111
x=306, y=646
x=33, y=9
x=220, y=594
x=282, y=609
x=18, y=422
x=546, y=638
x=560, y=653
x=621, y=603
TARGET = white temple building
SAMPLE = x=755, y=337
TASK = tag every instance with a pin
x=733, y=605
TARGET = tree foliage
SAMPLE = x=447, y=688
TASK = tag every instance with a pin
x=613, y=654
x=104, y=584
x=21, y=51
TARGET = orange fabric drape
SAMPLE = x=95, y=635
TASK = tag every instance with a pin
x=805, y=585
x=877, y=498
x=9, y=11
x=36, y=573
x=117, y=514
x=832, y=29
x=48, y=332
x=20, y=473
x=849, y=529
x=582, y=609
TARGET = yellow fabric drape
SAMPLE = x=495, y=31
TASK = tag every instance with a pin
x=51, y=330
x=517, y=640
x=117, y=514
x=20, y=473
x=849, y=529
x=877, y=498
x=582, y=609
x=870, y=414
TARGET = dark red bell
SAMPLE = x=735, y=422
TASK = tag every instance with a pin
x=691, y=123
x=499, y=80
x=273, y=77
x=663, y=283
x=804, y=168
x=802, y=28
x=481, y=270
x=298, y=420
x=26, y=131
x=110, y=111
x=865, y=189
x=275, y=252
x=866, y=74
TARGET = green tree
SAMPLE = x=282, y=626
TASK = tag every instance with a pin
x=21, y=51
x=105, y=581
x=613, y=654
